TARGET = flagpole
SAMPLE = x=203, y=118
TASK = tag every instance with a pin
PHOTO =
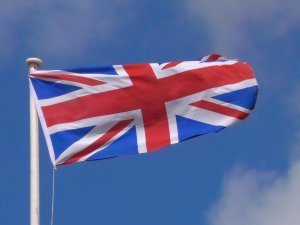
x=34, y=64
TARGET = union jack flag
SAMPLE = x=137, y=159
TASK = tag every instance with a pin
x=103, y=112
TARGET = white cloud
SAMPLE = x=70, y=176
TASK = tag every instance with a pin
x=255, y=198
x=233, y=23
x=54, y=27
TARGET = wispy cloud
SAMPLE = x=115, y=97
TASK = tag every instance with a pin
x=264, y=32
x=55, y=27
x=234, y=24
x=256, y=198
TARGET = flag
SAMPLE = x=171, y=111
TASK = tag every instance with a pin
x=102, y=112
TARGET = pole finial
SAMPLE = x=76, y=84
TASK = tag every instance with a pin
x=34, y=62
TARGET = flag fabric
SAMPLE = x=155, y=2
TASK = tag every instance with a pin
x=103, y=112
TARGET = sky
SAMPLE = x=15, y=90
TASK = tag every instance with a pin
x=247, y=174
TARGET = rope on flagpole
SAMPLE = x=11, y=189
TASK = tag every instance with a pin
x=53, y=193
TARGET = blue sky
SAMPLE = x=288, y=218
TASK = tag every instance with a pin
x=247, y=174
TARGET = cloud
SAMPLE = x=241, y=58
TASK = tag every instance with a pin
x=60, y=28
x=256, y=198
x=234, y=25
x=263, y=32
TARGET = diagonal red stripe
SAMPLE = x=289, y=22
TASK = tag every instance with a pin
x=68, y=77
x=213, y=57
x=171, y=64
x=221, y=109
x=99, y=142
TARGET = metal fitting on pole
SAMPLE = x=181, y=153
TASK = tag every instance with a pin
x=34, y=63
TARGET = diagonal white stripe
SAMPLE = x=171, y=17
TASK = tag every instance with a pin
x=185, y=66
x=84, y=142
x=229, y=105
x=95, y=76
x=107, y=143
x=103, y=124
x=112, y=82
x=93, y=121
x=73, y=83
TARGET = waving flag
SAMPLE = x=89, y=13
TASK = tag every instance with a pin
x=103, y=112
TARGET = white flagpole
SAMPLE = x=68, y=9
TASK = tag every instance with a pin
x=34, y=64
